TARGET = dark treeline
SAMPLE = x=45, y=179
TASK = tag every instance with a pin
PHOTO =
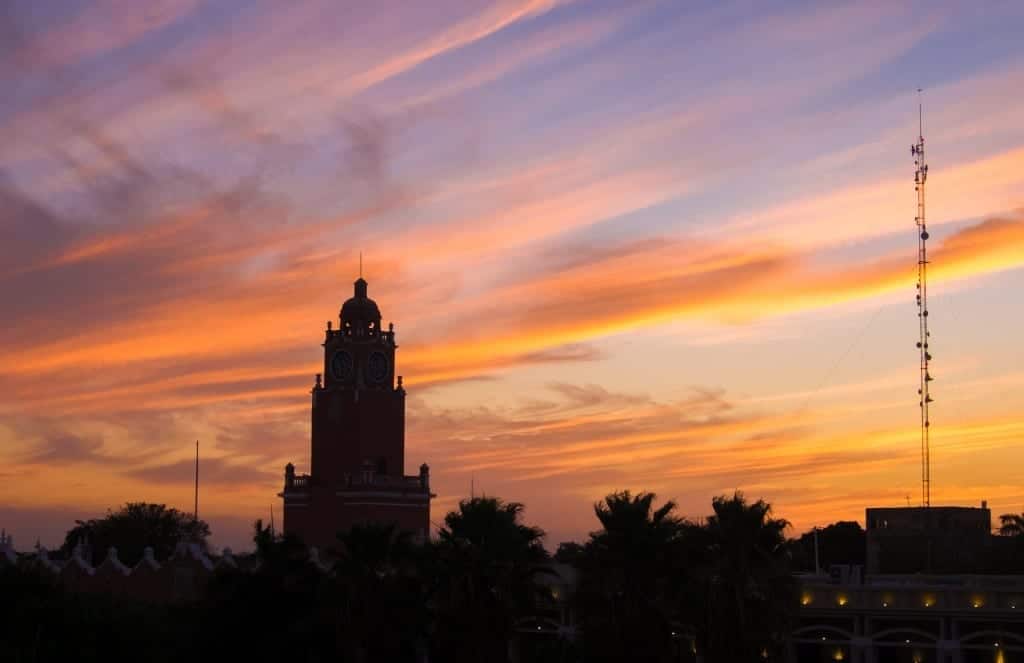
x=844, y=542
x=650, y=586
x=656, y=587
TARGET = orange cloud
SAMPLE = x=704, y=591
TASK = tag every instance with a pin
x=650, y=282
x=698, y=447
x=861, y=212
x=593, y=295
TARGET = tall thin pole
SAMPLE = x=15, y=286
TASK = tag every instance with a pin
x=817, y=563
x=195, y=504
x=920, y=177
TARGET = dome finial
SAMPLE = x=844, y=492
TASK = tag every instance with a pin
x=360, y=307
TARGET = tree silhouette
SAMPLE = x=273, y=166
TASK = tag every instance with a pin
x=748, y=593
x=568, y=552
x=843, y=542
x=133, y=528
x=629, y=570
x=1011, y=524
x=485, y=564
x=281, y=608
x=382, y=606
x=1007, y=551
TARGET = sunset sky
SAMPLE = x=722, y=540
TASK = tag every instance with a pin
x=663, y=246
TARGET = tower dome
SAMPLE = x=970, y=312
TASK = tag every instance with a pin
x=359, y=314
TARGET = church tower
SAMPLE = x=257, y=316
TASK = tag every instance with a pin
x=357, y=472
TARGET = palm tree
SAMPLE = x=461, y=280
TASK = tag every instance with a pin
x=382, y=614
x=749, y=593
x=485, y=564
x=1011, y=524
x=284, y=595
x=629, y=573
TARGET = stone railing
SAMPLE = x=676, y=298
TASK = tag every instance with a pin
x=296, y=483
x=384, y=482
x=386, y=336
x=300, y=483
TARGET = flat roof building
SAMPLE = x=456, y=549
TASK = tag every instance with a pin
x=938, y=539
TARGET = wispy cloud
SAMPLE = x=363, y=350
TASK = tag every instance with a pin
x=215, y=471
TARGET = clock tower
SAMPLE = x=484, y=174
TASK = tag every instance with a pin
x=357, y=463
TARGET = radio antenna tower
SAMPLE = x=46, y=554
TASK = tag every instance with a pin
x=920, y=177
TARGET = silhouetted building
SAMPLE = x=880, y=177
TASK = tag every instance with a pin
x=928, y=594
x=938, y=539
x=955, y=618
x=357, y=472
x=181, y=577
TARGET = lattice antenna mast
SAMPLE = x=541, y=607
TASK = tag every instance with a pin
x=920, y=177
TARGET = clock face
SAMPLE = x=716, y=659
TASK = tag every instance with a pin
x=342, y=366
x=377, y=367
